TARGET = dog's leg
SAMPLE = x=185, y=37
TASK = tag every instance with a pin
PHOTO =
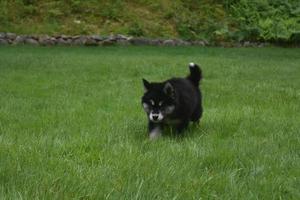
x=196, y=115
x=155, y=130
x=182, y=125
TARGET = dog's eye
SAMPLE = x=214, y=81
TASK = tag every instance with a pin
x=152, y=102
x=160, y=103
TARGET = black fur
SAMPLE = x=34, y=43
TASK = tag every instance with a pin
x=176, y=101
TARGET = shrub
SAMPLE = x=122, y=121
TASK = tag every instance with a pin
x=265, y=19
x=135, y=29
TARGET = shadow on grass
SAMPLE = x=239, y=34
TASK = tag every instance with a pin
x=140, y=132
x=222, y=127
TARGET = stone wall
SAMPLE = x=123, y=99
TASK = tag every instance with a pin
x=97, y=40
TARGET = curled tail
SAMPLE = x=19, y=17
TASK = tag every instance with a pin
x=195, y=74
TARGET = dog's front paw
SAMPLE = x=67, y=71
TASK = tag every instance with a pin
x=155, y=133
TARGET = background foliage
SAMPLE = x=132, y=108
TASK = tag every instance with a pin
x=214, y=20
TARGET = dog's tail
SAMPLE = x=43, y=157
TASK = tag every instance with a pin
x=195, y=74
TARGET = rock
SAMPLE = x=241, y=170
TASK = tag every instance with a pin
x=11, y=36
x=111, y=38
x=107, y=42
x=65, y=37
x=48, y=42
x=19, y=40
x=2, y=35
x=75, y=37
x=80, y=40
x=254, y=44
x=91, y=42
x=139, y=41
x=43, y=38
x=97, y=38
x=238, y=45
x=77, y=42
x=56, y=36
x=206, y=43
x=31, y=41
x=187, y=43
x=246, y=44
x=169, y=43
x=198, y=43
x=155, y=42
x=224, y=44
x=61, y=41
x=263, y=44
x=121, y=37
x=69, y=41
x=123, y=42
x=35, y=37
x=3, y=42
x=181, y=43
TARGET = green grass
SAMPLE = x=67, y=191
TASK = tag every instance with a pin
x=72, y=127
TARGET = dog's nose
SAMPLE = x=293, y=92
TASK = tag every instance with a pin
x=155, y=117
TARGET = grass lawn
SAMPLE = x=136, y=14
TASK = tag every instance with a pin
x=72, y=127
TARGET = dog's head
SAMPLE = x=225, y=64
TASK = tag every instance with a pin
x=159, y=100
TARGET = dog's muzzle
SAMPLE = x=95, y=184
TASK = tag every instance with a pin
x=156, y=116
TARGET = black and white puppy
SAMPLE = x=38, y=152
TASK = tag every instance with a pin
x=175, y=102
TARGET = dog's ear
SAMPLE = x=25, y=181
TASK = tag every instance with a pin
x=146, y=85
x=169, y=90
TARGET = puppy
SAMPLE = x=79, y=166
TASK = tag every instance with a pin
x=175, y=102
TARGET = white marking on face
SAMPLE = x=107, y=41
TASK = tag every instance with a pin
x=160, y=103
x=156, y=117
x=169, y=109
x=152, y=102
x=146, y=107
x=192, y=64
x=155, y=133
